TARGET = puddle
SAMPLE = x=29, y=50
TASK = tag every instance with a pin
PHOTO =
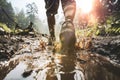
x=16, y=73
x=42, y=65
x=43, y=68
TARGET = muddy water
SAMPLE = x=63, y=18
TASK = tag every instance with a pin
x=41, y=64
x=43, y=68
x=38, y=64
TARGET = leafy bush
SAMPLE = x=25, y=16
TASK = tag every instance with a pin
x=113, y=31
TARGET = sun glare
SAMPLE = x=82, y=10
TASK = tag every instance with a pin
x=86, y=5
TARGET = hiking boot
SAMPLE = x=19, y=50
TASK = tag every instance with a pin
x=51, y=41
x=67, y=37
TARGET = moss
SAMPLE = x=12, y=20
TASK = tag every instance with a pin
x=4, y=26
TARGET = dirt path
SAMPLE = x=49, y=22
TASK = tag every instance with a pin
x=31, y=61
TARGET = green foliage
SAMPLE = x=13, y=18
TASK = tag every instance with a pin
x=101, y=30
x=113, y=31
x=21, y=19
x=6, y=29
x=9, y=10
x=108, y=20
x=112, y=26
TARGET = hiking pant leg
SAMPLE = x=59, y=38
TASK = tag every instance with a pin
x=69, y=8
x=51, y=9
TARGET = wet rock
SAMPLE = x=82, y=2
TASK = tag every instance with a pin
x=5, y=55
x=27, y=73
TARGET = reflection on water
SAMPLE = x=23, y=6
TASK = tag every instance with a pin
x=15, y=74
x=57, y=67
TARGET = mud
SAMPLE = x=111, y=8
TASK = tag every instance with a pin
x=30, y=61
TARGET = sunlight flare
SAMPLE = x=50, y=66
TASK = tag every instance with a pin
x=86, y=5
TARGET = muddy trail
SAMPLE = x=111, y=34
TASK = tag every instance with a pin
x=29, y=58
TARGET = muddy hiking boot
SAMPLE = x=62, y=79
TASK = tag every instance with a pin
x=51, y=41
x=68, y=66
x=67, y=37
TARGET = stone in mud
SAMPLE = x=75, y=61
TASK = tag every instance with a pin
x=27, y=73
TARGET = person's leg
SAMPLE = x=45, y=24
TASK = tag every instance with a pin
x=51, y=23
x=67, y=35
x=68, y=39
x=69, y=8
x=51, y=10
